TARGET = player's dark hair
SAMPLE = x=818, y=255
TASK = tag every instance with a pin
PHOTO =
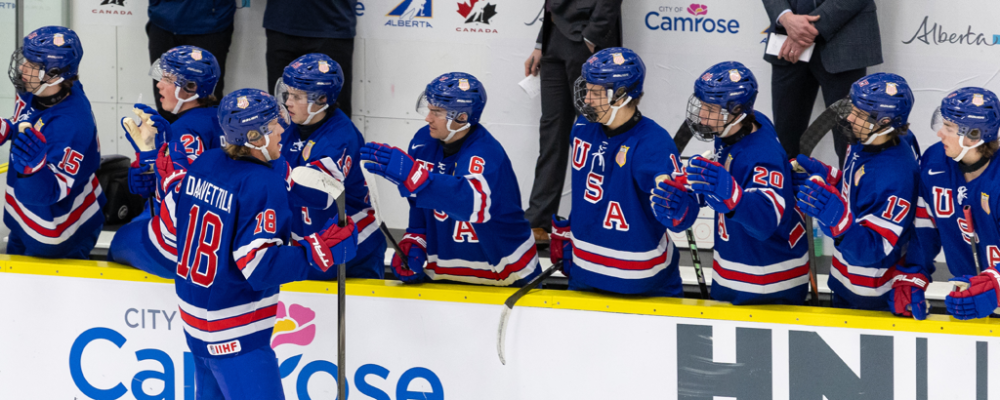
x=68, y=82
x=209, y=101
x=635, y=100
x=987, y=150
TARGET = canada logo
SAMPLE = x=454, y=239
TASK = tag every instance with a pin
x=293, y=326
x=477, y=12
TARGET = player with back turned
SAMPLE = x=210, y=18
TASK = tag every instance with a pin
x=466, y=219
x=233, y=230
x=760, y=239
x=53, y=203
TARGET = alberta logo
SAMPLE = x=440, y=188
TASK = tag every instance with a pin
x=477, y=13
x=407, y=13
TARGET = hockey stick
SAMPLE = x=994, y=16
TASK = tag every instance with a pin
x=508, y=306
x=681, y=140
x=967, y=210
x=373, y=198
x=341, y=310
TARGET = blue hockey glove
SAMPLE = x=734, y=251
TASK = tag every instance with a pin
x=561, y=243
x=671, y=202
x=394, y=164
x=711, y=179
x=331, y=246
x=906, y=298
x=804, y=166
x=414, y=246
x=27, y=152
x=141, y=179
x=824, y=203
x=974, y=296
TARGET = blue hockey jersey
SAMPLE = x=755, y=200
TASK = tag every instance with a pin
x=334, y=148
x=618, y=245
x=232, y=234
x=880, y=186
x=56, y=212
x=760, y=247
x=471, y=213
x=940, y=220
x=149, y=243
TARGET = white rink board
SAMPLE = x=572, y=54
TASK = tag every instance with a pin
x=448, y=349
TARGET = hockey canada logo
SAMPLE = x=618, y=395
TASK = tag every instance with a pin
x=111, y=7
x=692, y=19
x=407, y=13
x=476, y=12
x=113, y=3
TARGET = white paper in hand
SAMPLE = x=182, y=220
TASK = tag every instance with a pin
x=370, y=180
x=532, y=85
x=776, y=40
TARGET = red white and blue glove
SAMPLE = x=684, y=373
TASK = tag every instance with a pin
x=812, y=167
x=414, y=245
x=974, y=296
x=711, y=179
x=28, y=152
x=6, y=129
x=171, y=157
x=671, y=201
x=561, y=243
x=394, y=164
x=141, y=179
x=906, y=298
x=331, y=246
x=824, y=203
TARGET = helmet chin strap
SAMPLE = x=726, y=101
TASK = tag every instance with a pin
x=45, y=85
x=451, y=133
x=965, y=150
x=313, y=114
x=871, y=138
x=180, y=103
x=614, y=110
x=729, y=127
x=263, y=149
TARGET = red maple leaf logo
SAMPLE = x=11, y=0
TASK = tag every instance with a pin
x=465, y=8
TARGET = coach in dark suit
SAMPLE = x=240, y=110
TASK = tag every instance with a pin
x=571, y=31
x=847, y=41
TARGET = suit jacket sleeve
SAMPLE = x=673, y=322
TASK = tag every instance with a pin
x=835, y=13
x=603, y=23
x=774, y=9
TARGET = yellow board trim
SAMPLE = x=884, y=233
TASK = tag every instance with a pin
x=3, y=168
x=556, y=299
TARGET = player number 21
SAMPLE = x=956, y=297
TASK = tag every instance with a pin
x=206, y=244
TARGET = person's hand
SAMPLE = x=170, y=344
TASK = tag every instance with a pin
x=791, y=50
x=532, y=63
x=800, y=28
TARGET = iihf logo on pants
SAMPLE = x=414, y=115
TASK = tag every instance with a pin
x=408, y=10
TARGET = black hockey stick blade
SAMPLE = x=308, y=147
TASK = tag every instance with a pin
x=682, y=137
x=508, y=306
x=681, y=140
x=395, y=246
x=341, y=309
x=818, y=129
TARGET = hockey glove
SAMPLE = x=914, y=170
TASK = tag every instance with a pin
x=331, y=246
x=151, y=132
x=561, y=243
x=671, y=202
x=394, y=164
x=711, y=179
x=6, y=129
x=141, y=179
x=414, y=246
x=804, y=166
x=824, y=203
x=27, y=152
x=171, y=159
x=906, y=298
x=974, y=296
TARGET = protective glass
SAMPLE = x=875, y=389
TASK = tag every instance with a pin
x=285, y=94
x=424, y=107
x=938, y=123
x=158, y=71
x=706, y=120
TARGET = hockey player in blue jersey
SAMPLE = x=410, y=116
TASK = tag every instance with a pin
x=958, y=173
x=324, y=138
x=54, y=201
x=466, y=219
x=760, y=240
x=615, y=238
x=187, y=77
x=869, y=214
x=234, y=227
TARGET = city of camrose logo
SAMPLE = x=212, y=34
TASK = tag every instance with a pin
x=693, y=21
x=407, y=13
x=112, y=10
x=935, y=34
x=293, y=326
x=477, y=13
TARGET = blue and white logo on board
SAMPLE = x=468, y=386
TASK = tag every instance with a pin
x=412, y=13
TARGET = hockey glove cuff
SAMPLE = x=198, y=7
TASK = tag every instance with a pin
x=804, y=166
x=414, y=247
x=396, y=166
x=906, y=298
x=331, y=246
x=141, y=179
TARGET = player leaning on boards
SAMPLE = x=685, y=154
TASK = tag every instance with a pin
x=870, y=216
x=186, y=77
x=614, y=240
x=760, y=240
x=233, y=224
x=323, y=138
x=53, y=203
x=466, y=219
x=956, y=173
